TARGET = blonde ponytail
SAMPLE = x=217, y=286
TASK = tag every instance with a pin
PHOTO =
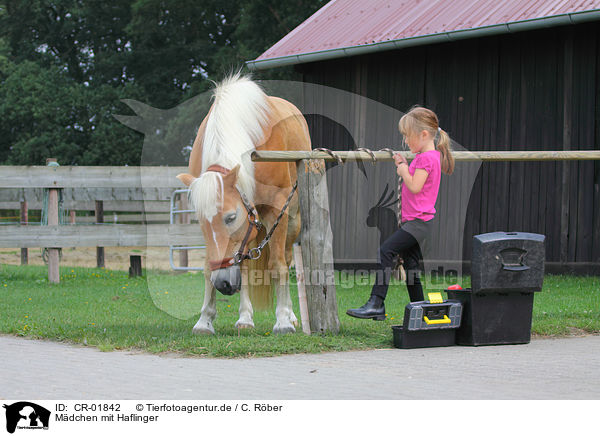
x=443, y=146
x=419, y=118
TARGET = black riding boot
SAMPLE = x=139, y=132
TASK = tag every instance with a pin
x=372, y=309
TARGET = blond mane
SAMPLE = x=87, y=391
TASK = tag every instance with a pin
x=235, y=125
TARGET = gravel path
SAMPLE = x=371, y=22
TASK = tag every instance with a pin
x=565, y=368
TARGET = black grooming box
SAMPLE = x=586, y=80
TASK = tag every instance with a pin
x=430, y=323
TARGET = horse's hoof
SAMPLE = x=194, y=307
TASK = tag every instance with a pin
x=283, y=329
x=244, y=325
x=203, y=330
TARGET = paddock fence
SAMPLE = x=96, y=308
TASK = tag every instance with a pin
x=131, y=206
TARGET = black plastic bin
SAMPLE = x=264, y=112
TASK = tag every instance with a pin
x=506, y=271
x=494, y=318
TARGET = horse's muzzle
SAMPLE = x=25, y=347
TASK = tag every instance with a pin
x=228, y=280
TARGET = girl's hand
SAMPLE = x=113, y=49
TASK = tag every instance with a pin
x=398, y=159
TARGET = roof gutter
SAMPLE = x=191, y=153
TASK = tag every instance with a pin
x=454, y=35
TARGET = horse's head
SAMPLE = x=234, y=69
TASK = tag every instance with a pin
x=226, y=222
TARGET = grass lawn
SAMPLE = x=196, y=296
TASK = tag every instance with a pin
x=108, y=310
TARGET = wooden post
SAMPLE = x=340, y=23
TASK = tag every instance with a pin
x=24, y=221
x=184, y=218
x=99, y=220
x=72, y=217
x=301, y=289
x=317, y=248
x=135, y=266
x=53, y=256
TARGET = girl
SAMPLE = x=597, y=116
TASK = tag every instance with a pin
x=421, y=182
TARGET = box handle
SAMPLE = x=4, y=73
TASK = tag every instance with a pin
x=512, y=259
x=509, y=267
x=445, y=320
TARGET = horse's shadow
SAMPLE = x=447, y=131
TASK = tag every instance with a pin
x=384, y=218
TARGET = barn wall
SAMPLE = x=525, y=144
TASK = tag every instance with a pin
x=535, y=90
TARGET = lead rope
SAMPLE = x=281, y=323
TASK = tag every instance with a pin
x=268, y=237
x=399, y=212
x=255, y=253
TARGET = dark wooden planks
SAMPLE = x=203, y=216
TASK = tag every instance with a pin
x=529, y=94
x=596, y=176
x=585, y=75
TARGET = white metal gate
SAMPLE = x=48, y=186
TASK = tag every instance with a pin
x=174, y=211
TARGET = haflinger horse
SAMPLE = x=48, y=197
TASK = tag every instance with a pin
x=239, y=201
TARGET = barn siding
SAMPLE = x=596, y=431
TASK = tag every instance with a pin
x=522, y=91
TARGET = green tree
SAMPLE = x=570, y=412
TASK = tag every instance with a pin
x=173, y=42
x=258, y=25
x=87, y=38
x=44, y=113
x=65, y=65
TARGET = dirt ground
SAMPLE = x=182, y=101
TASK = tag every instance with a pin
x=115, y=258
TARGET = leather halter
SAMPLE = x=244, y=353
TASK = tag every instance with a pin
x=218, y=169
x=253, y=221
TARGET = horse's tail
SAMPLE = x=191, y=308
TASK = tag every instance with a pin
x=259, y=278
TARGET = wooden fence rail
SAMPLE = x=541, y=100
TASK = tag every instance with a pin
x=465, y=156
x=103, y=235
x=90, y=177
x=139, y=206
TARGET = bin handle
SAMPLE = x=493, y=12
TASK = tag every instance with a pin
x=517, y=256
x=445, y=320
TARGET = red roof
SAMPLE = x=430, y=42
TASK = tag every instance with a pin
x=343, y=24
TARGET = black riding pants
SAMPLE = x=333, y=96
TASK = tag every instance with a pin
x=404, y=242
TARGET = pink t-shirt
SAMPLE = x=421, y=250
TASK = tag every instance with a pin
x=421, y=205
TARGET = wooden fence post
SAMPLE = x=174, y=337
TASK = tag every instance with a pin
x=301, y=289
x=24, y=221
x=135, y=266
x=53, y=255
x=184, y=218
x=99, y=220
x=317, y=246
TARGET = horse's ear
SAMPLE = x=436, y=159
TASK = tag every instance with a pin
x=186, y=179
x=232, y=177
